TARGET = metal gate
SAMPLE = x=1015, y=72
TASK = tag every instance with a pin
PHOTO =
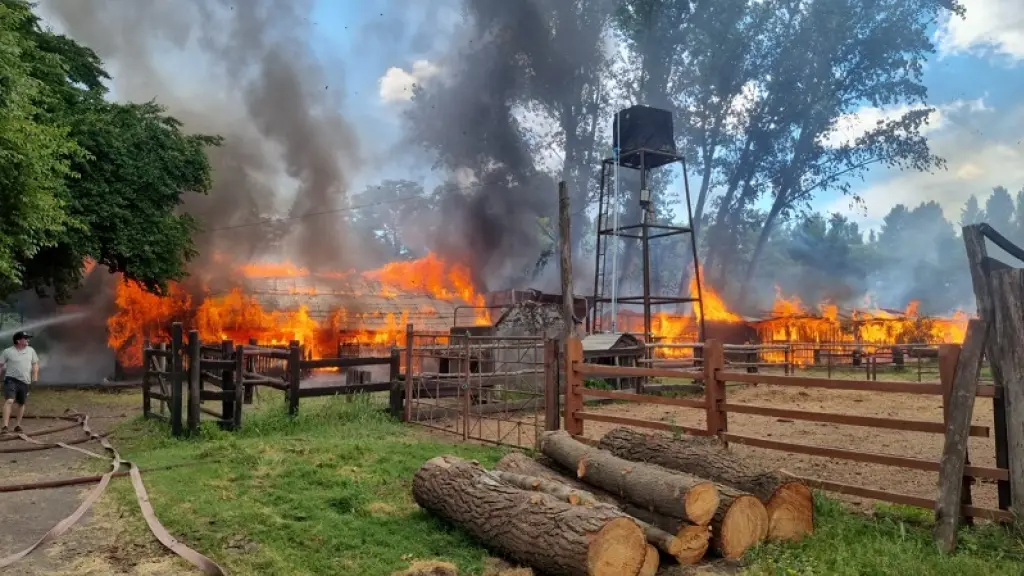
x=483, y=388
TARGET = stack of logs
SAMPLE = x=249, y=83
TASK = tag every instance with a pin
x=619, y=508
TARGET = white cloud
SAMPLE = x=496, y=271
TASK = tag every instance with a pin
x=981, y=151
x=851, y=126
x=991, y=26
x=398, y=84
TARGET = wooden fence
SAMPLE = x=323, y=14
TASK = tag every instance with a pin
x=188, y=374
x=714, y=373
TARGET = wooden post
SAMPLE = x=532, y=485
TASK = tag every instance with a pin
x=551, y=417
x=397, y=396
x=250, y=367
x=980, y=263
x=1008, y=353
x=409, y=376
x=227, y=384
x=958, y=423
x=194, y=379
x=574, y=386
x=239, y=388
x=949, y=357
x=466, y=388
x=147, y=400
x=177, y=377
x=294, y=377
x=714, y=389
x=565, y=258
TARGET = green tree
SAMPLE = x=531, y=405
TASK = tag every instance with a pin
x=971, y=213
x=115, y=173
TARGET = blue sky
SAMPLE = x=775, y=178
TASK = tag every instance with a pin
x=976, y=81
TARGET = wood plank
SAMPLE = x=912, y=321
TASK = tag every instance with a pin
x=954, y=451
x=643, y=398
x=869, y=457
x=640, y=423
x=344, y=389
x=345, y=362
x=977, y=258
x=1007, y=352
x=211, y=364
x=603, y=371
x=893, y=386
x=850, y=420
x=897, y=498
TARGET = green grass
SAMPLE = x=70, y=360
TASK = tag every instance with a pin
x=895, y=541
x=329, y=493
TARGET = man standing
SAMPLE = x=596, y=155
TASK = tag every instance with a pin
x=19, y=367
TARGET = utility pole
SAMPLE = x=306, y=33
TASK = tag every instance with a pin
x=565, y=251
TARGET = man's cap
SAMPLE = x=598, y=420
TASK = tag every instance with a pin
x=19, y=335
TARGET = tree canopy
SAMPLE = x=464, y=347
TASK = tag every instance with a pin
x=81, y=177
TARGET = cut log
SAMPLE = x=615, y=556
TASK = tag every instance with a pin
x=686, y=542
x=740, y=522
x=651, y=562
x=790, y=504
x=565, y=493
x=674, y=494
x=531, y=528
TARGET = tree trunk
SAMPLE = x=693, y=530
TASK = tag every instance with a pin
x=531, y=528
x=740, y=522
x=686, y=542
x=762, y=241
x=559, y=490
x=673, y=494
x=789, y=504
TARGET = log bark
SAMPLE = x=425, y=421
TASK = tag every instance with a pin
x=574, y=496
x=674, y=494
x=685, y=542
x=789, y=504
x=531, y=528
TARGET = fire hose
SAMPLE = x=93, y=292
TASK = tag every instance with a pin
x=201, y=562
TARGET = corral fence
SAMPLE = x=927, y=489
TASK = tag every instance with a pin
x=191, y=382
x=830, y=359
x=486, y=388
x=713, y=373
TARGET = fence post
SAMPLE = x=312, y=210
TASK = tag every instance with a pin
x=227, y=386
x=194, y=381
x=294, y=376
x=949, y=355
x=147, y=400
x=409, y=378
x=714, y=388
x=250, y=367
x=573, y=386
x=397, y=386
x=551, y=392
x=177, y=377
x=239, y=385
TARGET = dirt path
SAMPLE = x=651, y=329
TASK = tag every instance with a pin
x=26, y=516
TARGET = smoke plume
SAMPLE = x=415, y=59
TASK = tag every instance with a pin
x=245, y=71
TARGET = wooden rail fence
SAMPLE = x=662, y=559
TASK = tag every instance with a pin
x=186, y=374
x=714, y=373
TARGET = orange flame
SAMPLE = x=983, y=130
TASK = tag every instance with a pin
x=238, y=315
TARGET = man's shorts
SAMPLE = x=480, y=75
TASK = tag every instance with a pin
x=16, y=390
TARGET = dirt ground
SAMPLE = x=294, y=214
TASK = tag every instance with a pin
x=88, y=548
x=899, y=406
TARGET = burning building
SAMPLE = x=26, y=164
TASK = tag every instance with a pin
x=276, y=303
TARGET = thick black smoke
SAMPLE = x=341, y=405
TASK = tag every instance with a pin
x=506, y=54
x=245, y=71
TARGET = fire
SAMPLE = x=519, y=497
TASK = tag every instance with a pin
x=239, y=315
